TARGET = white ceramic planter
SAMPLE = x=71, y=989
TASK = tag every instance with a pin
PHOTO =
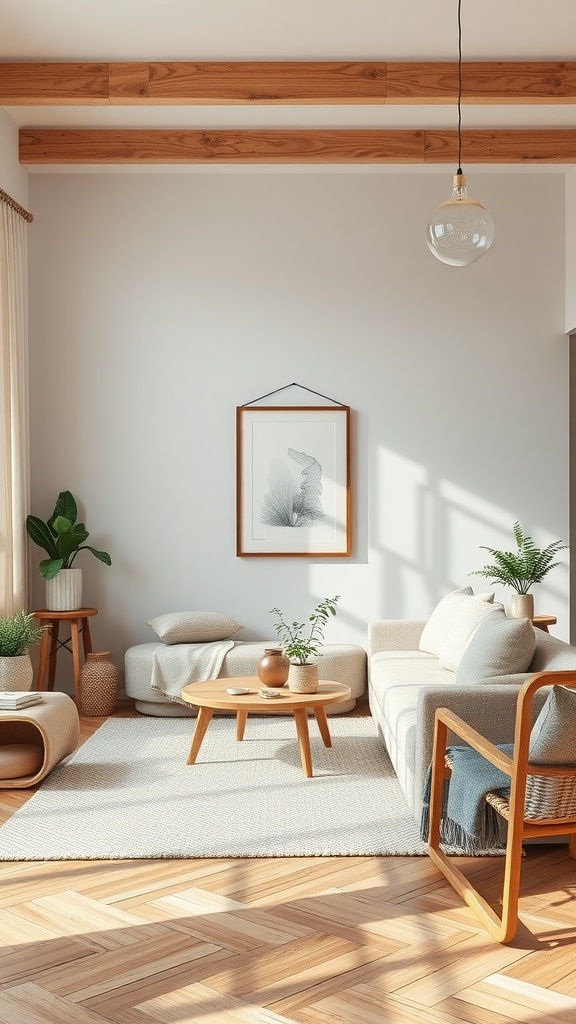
x=522, y=606
x=16, y=673
x=303, y=678
x=64, y=592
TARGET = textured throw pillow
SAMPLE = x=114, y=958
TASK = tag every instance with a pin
x=438, y=629
x=553, y=736
x=468, y=616
x=499, y=646
x=194, y=627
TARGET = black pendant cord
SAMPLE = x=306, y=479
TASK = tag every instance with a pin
x=459, y=171
x=293, y=385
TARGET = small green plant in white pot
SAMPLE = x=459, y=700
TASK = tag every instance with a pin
x=62, y=538
x=301, y=641
x=521, y=569
x=17, y=635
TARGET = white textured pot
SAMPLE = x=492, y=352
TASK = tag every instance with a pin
x=303, y=678
x=16, y=673
x=522, y=606
x=64, y=592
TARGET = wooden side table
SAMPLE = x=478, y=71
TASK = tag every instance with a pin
x=51, y=643
x=543, y=621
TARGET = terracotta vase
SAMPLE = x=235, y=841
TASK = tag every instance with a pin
x=303, y=678
x=98, y=684
x=522, y=606
x=273, y=667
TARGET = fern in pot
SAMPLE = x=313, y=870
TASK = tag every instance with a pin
x=17, y=635
x=521, y=569
x=301, y=641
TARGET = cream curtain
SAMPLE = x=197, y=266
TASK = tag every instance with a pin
x=13, y=412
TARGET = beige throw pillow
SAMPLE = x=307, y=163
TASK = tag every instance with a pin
x=499, y=646
x=438, y=629
x=469, y=615
x=194, y=627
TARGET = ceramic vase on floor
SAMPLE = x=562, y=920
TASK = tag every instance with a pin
x=273, y=667
x=98, y=684
x=303, y=678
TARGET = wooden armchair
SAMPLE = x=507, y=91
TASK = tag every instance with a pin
x=542, y=802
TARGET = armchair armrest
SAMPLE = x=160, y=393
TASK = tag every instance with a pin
x=473, y=738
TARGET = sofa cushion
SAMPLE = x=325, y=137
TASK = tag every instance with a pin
x=194, y=627
x=453, y=608
x=498, y=646
x=553, y=736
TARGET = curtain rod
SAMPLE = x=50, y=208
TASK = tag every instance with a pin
x=5, y=198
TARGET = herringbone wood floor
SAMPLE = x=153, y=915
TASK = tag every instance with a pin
x=308, y=940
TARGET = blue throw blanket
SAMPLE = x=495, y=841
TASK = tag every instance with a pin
x=468, y=822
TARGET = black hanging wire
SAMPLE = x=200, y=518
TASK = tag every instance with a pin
x=459, y=171
x=293, y=385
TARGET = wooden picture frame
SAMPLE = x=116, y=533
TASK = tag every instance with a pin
x=293, y=481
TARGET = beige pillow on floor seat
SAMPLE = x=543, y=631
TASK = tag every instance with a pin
x=439, y=627
x=194, y=627
x=499, y=646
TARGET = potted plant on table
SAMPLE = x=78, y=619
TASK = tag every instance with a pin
x=521, y=569
x=62, y=538
x=301, y=641
x=17, y=634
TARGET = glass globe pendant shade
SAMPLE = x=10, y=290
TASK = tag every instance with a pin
x=460, y=230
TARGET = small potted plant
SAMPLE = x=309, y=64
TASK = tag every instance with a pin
x=62, y=538
x=17, y=634
x=302, y=640
x=521, y=569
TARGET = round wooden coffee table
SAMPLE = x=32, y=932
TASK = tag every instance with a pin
x=211, y=696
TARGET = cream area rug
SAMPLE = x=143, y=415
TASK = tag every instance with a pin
x=127, y=793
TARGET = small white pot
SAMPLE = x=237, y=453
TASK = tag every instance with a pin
x=16, y=673
x=303, y=678
x=64, y=591
x=522, y=606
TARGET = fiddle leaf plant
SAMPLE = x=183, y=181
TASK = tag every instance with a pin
x=302, y=640
x=61, y=537
x=522, y=568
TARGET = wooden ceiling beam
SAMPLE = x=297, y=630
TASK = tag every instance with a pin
x=306, y=146
x=282, y=82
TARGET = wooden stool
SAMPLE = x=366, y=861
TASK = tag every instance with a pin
x=51, y=643
x=543, y=621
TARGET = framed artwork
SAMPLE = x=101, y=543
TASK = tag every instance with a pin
x=293, y=481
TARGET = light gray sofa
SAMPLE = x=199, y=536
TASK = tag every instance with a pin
x=406, y=685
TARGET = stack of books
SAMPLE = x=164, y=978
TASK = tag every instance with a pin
x=14, y=700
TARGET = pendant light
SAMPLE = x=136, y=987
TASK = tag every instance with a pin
x=461, y=229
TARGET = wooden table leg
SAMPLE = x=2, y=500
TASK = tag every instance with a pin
x=75, y=641
x=301, y=719
x=202, y=723
x=54, y=645
x=320, y=715
x=43, y=655
x=86, y=638
x=241, y=717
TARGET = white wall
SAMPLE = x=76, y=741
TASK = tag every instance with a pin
x=13, y=177
x=161, y=302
